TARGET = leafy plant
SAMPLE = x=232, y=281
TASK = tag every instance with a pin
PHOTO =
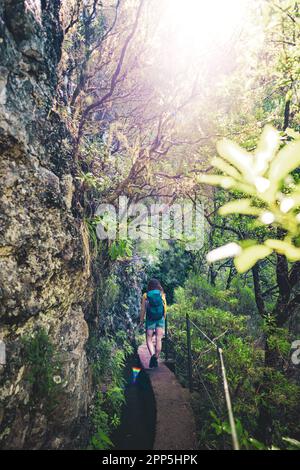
x=120, y=249
x=100, y=441
x=273, y=195
x=89, y=180
x=91, y=224
x=111, y=292
x=108, y=356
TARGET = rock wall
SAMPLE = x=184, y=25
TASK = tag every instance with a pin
x=43, y=276
x=121, y=304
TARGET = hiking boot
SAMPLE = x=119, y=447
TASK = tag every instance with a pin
x=152, y=361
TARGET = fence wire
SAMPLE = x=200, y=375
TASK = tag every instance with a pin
x=195, y=366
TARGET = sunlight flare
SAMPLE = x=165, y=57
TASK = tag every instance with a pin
x=198, y=22
x=227, y=251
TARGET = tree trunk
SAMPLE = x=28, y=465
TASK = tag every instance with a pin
x=257, y=291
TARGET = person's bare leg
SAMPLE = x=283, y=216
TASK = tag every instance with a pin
x=159, y=335
x=149, y=335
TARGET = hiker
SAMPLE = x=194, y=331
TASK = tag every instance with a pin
x=154, y=306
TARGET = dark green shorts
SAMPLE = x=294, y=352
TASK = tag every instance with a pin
x=153, y=324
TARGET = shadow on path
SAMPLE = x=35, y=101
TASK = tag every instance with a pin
x=138, y=418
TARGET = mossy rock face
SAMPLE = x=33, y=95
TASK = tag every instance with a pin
x=120, y=309
x=44, y=281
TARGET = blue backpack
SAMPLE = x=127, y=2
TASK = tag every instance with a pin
x=154, y=305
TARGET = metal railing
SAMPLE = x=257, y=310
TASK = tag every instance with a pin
x=189, y=363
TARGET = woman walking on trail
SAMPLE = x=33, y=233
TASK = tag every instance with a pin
x=154, y=307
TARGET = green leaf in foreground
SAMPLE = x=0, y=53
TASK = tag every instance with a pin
x=272, y=196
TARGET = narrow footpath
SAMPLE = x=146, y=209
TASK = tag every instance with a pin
x=175, y=424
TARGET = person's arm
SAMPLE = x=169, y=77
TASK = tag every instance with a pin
x=142, y=314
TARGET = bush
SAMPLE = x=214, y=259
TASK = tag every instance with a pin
x=245, y=369
x=172, y=267
x=108, y=357
x=239, y=299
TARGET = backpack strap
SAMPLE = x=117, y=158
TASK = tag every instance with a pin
x=165, y=304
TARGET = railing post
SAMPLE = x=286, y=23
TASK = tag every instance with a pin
x=189, y=349
x=235, y=441
x=166, y=339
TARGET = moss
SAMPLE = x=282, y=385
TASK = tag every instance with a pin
x=43, y=368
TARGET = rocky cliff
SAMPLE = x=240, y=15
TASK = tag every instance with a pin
x=43, y=274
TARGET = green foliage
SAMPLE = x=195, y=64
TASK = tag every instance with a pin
x=117, y=249
x=89, y=180
x=292, y=444
x=43, y=368
x=279, y=340
x=238, y=299
x=91, y=225
x=273, y=195
x=251, y=383
x=100, y=439
x=246, y=441
x=172, y=268
x=120, y=249
x=111, y=292
x=108, y=355
x=246, y=299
